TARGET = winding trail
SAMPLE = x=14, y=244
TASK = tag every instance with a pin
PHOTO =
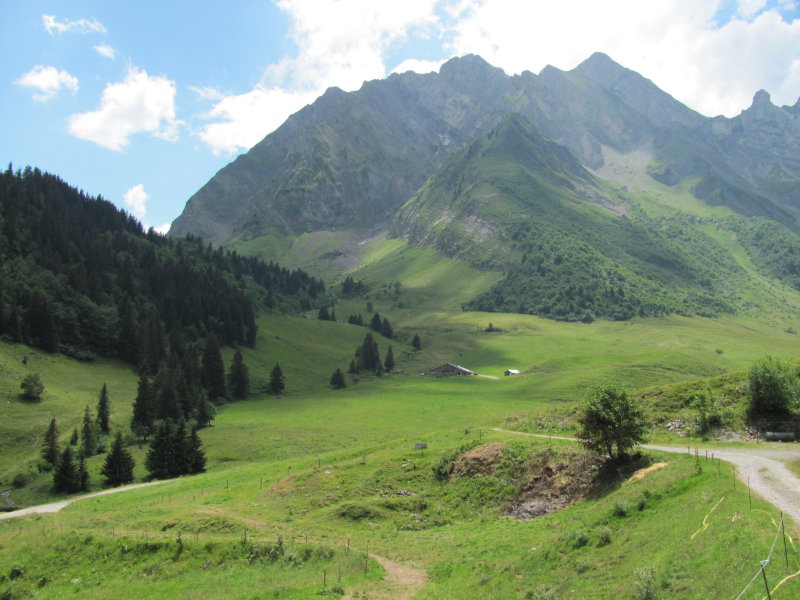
x=54, y=507
x=762, y=469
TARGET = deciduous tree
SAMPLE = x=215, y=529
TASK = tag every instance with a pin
x=611, y=423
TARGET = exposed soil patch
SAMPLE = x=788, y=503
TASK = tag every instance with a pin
x=642, y=473
x=558, y=483
x=479, y=462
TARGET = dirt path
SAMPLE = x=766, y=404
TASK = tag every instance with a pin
x=762, y=469
x=54, y=507
x=402, y=581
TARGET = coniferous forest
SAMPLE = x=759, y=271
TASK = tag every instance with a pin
x=80, y=277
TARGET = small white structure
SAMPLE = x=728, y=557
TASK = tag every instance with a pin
x=512, y=372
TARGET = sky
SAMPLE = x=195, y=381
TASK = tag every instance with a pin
x=142, y=102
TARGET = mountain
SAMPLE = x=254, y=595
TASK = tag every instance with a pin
x=515, y=173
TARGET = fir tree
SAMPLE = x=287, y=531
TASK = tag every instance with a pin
x=375, y=323
x=88, y=434
x=103, y=411
x=353, y=369
x=50, y=444
x=73, y=439
x=367, y=355
x=386, y=329
x=238, y=377
x=277, y=382
x=195, y=457
x=213, y=371
x=205, y=411
x=415, y=343
x=65, y=476
x=323, y=315
x=118, y=468
x=161, y=460
x=388, y=362
x=338, y=381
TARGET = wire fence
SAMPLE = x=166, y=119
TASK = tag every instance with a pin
x=761, y=573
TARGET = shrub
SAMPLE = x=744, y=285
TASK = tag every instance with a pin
x=644, y=588
x=604, y=537
x=641, y=502
x=20, y=480
x=579, y=539
x=32, y=387
x=621, y=508
x=543, y=592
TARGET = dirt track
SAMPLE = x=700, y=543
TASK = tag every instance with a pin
x=763, y=469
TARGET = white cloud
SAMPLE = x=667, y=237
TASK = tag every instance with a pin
x=208, y=93
x=136, y=200
x=52, y=25
x=140, y=103
x=340, y=43
x=750, y=8
x=48, y=80
x=713, y=69
x=163, y=229
x=105, y=50
x=418, y=66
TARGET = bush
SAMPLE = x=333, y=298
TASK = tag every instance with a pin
x=641, y=502
x=579, y=539
x=621, y=509
x=604, y=537
x=772, y=388
x=20, y=480
x=32, y=387
x=644, y=588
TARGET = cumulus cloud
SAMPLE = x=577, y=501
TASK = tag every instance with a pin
x=53, y=25
x=340, y=43
x=105, y=50
x=136, y=201
x=714, y=68
x=139, y=103
x=418, y=66
x=163, y=229
x=49, y=81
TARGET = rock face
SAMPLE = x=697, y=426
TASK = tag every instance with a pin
x=351, y=160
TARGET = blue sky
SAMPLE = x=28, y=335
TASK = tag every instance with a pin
x=142, y=102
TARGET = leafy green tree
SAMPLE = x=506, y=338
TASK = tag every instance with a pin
x=50, y=444
x=238, y=377
x=277, y=382
x=65, y=475
x=388, y=362
x=611, y=423
x=772, y=386
x=119, y=464
x=416, y=343
x=103, y=411
x=338, y=381
x=32, y=387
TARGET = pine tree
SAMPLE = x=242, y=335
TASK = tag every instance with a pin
x=205, y=411
x=415, y=343
x=50, y=443
x=388, y=362
x=386, y=329
x=238, y=377
x=65, y=476
x=161, y=457
x=277, y=382
x=323, y=315
x=118, y=468
x=338, y=381
x=73, y=439
x=88, y=434
x=196, y=458
x=375, y=323
x=103, y=411
x=368, y=356
x=213, y=371
x=353, y=369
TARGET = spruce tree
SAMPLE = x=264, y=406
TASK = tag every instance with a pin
x=238, y=377
x=161, y=457
x=338, y=381
x=50, y=444
x=323, y=315
x=142, y=420
x=103, y=411
x=277, y=382
x=88, y=434
x=386, y=329
x=388, y=362
x=415, y=343
x=118, y=468
x=82, y=474
x=196, y=457
x=213, y=371
x=375, y=323
x=73, y=439
x=65, y=476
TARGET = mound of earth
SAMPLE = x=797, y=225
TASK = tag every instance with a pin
x=481, y=461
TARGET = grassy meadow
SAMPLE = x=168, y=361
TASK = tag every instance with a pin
x=301, y=488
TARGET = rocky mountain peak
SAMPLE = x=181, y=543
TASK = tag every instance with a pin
x=600, y=67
